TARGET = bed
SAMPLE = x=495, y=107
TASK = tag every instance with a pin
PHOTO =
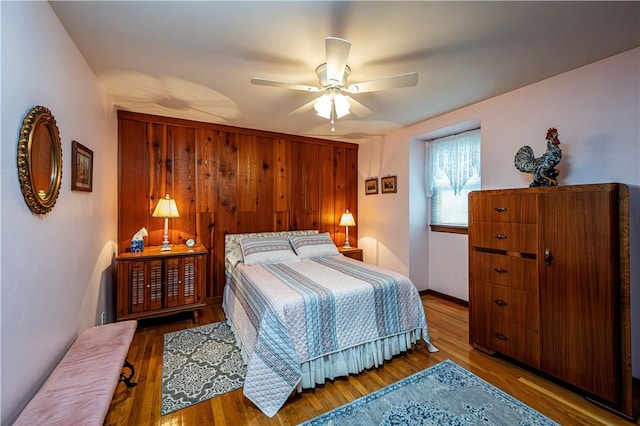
x=303, y=313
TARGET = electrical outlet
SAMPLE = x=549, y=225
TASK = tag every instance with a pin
x=103, y=318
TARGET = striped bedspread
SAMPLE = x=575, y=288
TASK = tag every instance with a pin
x=297, y=312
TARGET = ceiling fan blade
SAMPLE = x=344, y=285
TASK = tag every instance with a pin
x=392, y=82
x=337, y=56
x=304, y=108
x=294, y=86
x=357, y=108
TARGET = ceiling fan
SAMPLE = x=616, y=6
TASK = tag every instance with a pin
x=333, y=75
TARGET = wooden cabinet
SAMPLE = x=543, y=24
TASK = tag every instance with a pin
x=550, y=283
x=155, y=283
x=352, y=252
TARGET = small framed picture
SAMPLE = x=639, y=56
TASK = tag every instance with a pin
x=81, y=167
x=389, y=184
x=371, y=186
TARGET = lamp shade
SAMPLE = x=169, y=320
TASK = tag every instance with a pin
x=166, y=208
x=347, y=219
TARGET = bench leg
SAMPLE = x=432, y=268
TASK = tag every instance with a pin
x=127, y=379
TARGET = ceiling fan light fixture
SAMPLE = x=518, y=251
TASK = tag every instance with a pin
x=332, y=76
x=342, y=105
x=327, y=103
x=322, y=105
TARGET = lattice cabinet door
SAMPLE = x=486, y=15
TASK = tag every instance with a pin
x=136, y=272
x=173, y=290
x=155, y=284
x=182, y=280
x=190, y=279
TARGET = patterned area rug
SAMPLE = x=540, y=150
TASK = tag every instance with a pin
x=198, y=364
x=445, y=394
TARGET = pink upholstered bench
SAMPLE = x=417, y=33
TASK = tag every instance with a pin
x=80, y=388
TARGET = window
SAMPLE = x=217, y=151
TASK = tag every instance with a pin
x=452, y=171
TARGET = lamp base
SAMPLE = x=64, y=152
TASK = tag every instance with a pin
x=346, y=245
x=165, y=237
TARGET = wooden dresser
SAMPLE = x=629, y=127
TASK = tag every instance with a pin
x=550, y=283
x=155, y=283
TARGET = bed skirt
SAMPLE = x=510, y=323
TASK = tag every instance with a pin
x=355, y=359
x=348, y=361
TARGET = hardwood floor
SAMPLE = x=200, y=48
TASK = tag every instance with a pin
x=448, y=324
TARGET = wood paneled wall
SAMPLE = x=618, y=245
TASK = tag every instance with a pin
x=229, y=180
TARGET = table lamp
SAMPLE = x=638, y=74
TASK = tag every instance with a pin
x=166, y=208
x=347, y=220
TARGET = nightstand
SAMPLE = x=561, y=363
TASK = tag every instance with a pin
x=154, y=283
x=352, y=252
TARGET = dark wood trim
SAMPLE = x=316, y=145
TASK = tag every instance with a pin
x=449, y=229
x=429, y=292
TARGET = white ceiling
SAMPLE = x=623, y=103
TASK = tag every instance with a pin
x=194, y=60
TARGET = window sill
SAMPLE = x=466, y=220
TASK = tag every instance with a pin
x=449, y=229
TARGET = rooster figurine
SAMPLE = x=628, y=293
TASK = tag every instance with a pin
x=542, y=168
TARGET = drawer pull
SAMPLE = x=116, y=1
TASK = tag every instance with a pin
x=501, y=336
x=501, y=236
x=500, y=270
x=500, y=303
x=500, y=209
x=548, y=258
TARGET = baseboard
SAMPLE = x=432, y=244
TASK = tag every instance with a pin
x=444, y=297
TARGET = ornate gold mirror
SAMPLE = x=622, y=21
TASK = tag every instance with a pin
x=39, y=160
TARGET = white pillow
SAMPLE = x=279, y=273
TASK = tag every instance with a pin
x=235, y=256
x=260, y=251
x=317, y=245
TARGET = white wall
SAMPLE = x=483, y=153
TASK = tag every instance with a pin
x=55, y=269
x=382, y=218
x=596, y=110
x=418, y=211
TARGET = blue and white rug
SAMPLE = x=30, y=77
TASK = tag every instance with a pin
x=198, y=364
x=445, y=394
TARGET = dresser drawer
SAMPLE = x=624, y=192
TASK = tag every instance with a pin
x=506, y=304
x=515, y=341
x=495, y=335
x=503, y=208
x=512, y=271
x=504, y=236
